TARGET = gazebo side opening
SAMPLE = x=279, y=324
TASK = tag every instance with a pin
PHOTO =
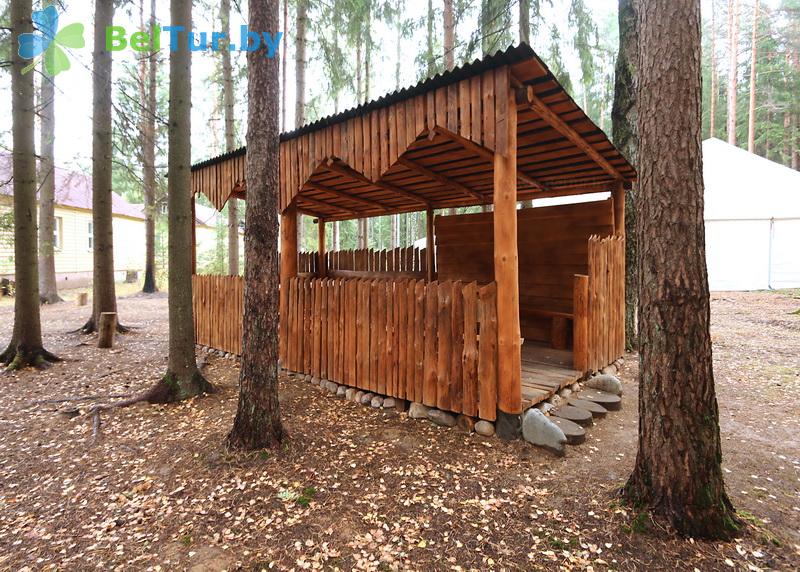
x=502, y=308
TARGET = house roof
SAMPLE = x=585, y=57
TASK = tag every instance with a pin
x=73, y=190
x=740, y=185
x=431, y=145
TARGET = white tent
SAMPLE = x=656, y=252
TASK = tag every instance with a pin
x=752, y=216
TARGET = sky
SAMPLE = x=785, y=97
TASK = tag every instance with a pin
x=73, y=87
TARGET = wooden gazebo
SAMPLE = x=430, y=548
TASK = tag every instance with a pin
x=502, y=308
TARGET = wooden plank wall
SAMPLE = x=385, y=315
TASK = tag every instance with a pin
x=307, y=262
x=405, y=262
x=434, y=343
x=552, y=245
x=218, y=307
x=219, y=180
x=606, y=319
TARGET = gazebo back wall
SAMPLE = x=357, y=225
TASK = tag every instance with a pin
x=553, y=247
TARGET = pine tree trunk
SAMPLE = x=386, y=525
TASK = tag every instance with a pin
x=449, y=35
x=525, y=21
x=623, y=128
x=258, y=422
x=712, y=111
x=48, y=288
x=751, y=112
x=182, y=380
x=678, y=472
x=284, y=40
x=733, y=47
x=25, y=347
x=104, y=298
x=149, y=167
x=230, y=136
x=300, y=63
x=429, y=55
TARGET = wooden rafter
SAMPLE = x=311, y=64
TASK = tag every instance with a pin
x=525, y=97
x=326, y=205
x=356, y=176
x=368, y=203
x=488, y=155
x=446, y=181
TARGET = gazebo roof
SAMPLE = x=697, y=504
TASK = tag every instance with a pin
x=432, y=146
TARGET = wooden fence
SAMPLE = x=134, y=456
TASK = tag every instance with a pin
x=404, y=262
x=599, y=309
x=218, y=304
x=435, y=343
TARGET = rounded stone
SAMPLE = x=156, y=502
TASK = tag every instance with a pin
x=595, y=409
x=315, y=381
x=442, y=418
x=555, y=400
x=349, y=392
x=377, y=402
x=358, y=396
x=539, y=429
x=341, y=391
x=418, y=411
x=608, y=400
x=609, y=370
x=605, y=382
x=574, y=433
x=485, y=428
x=307, y=378
x=366, y=399
x=389, y=403
x=566, y=392
x=545, y=407
x=465, y=423
x=579, y=416
x=575, y=387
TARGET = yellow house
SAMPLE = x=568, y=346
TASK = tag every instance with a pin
x=74, y=235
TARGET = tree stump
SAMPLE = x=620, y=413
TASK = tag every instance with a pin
x=83, y=299
x=106, y=330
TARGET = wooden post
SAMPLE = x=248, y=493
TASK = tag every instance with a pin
x=83, y=299
x=506, y=264
x=429, y=244
x=194, y=237
x=288, y=270
x=321, y=266
x=580, y=324
x=106, y=329
x=618, y=195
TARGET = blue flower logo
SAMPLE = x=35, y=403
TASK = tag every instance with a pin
x=48, y=41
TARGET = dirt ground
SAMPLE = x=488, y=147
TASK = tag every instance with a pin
x=358, y=488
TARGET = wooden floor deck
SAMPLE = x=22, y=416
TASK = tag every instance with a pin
x=545, y=371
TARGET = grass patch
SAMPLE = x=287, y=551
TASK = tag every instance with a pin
x=306, y=496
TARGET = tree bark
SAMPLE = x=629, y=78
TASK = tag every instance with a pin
x=25, y=347
x=284, y=40
x=525, y=21
x=182, y=380
x=104, y=297
x=678, y=472
x=300, y=63
x=258, y=423
x=48, y=286
x=712, y=112
x=149, y=163
x=449, y=35
x=623, y=128
x=751, y=113
x=429, y=56
x=230, y=136
x=733, y=47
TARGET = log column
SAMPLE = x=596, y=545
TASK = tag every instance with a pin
x=288, y=271
x=506, y=267
x=194, y=236
x=322, y=270
x=429, y=245
x=618, y=196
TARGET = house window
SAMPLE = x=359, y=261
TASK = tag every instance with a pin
x=91, y=236
x=58, y=233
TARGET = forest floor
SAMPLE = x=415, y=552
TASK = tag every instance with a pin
x=359, y=488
